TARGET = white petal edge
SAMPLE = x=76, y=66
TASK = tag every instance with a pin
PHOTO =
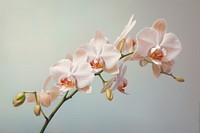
x=84, y=75
x=110, y=55
x=173, y=46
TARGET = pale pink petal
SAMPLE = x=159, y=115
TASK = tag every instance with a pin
x=99, y=41
x=44, y=99
x=54, y=93
x=31, y=98
x=46, y=83
x=146, y=39
x=172, y=45
x=137, y=56
x=63, y=67
x=84, y=75
x=79, y=57
x=124, y=71
x=108, y=85
x=114, y=70
x=110, y=55
x=161, y=26
x=125, y=31
x=129, y=45
x=65, y=88
x=167, y=66
x=157, y=62
x=90, y=49
x=87, y=89
x=156, y=70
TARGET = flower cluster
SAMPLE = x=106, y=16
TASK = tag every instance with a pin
x=152, y=45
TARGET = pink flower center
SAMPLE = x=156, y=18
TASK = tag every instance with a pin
x=158, y=53
x=68, y=81
x=97, y=63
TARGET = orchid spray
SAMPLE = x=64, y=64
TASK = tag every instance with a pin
x=75, y=73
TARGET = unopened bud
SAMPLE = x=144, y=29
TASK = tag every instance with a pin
x=37, y=110
x=19, y=99
x=179, y=79
x=109, y=94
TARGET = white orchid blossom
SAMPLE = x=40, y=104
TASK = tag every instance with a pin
x=157, y=46
x=102, y=56
x=46, y=96
x=118, y=81
x=128, y=44
x=72, y=72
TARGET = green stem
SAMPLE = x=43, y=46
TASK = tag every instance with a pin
x=124, y=55
x=65, y=98
x=169, y=74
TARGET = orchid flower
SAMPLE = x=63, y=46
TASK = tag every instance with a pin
x=128, y=42
x=119, y=81
x=46, y=97
x=102, y=56
x=158, y=47
x=72, y=72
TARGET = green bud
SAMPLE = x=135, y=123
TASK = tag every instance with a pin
x=109, y=94
x=20, y=95
x=19, y=99
x=179, y=79
x=37, y=110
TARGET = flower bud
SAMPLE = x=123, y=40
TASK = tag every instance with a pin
x=179, y=79
x=37, y=110
x=19, y=99
x=109, y=94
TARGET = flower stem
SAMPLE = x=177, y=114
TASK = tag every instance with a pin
x=124, y=55
x=169, y=74
x=65, y=98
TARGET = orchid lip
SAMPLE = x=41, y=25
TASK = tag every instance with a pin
x=97, y=63
x=67, y=81
x=157, y=54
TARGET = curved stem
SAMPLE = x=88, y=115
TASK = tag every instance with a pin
x=124, y=55
x=65, y=98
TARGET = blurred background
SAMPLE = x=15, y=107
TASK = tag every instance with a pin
x=34, y=34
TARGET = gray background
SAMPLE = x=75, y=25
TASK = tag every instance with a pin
x=34, y=34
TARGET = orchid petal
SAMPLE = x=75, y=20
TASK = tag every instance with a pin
x=46, y=82
x=44, y=99
x=90, y=49
x=108, y=85
x=110, y=55
x=172, y=45
x=156, y=70
x=124, y=71
x=61, y=68
x=113, y=70
x=87, y=89
x=126, y=30
x=31, y=98
x=54, y=93
x=128, y=45
x=146, y=39
x=167, y=66
x=79, y=57
x=161, y=26
x=84, y=75
x=99, y=42
x=137, y=56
